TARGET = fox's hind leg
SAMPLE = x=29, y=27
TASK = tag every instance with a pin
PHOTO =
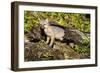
x=52, y=41
x=48, y=39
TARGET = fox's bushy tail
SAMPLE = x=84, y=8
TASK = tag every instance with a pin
x=74, y=35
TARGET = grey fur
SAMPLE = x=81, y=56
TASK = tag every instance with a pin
x=53, y=32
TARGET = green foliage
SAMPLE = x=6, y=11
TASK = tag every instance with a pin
x=72, y=20
x=85, y=48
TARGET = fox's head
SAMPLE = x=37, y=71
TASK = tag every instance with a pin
x=44, y=23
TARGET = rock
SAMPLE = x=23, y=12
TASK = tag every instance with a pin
x=41, y=51
x=35, y=34
x=36, y=48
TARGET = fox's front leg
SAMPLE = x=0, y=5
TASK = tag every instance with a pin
x=48, y=39
x=52, y=41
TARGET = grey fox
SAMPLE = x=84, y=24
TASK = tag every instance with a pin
x=53, y=31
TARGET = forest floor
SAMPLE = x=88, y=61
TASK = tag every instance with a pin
x=40, y=51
